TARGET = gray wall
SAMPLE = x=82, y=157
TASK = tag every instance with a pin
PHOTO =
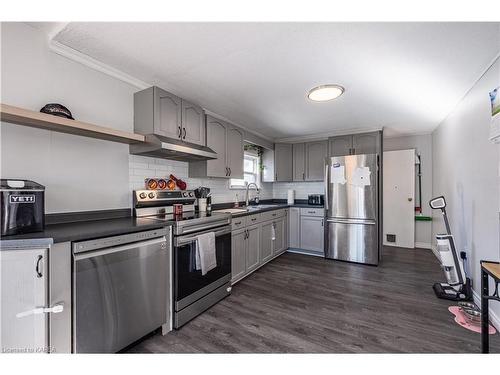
x=80, y=173
x=423, y=145
x=466, y=172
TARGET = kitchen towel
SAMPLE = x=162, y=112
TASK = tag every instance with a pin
x=205, y=252
x=273, y=232
x=291, y=196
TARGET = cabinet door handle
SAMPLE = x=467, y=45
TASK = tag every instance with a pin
x=184, y=130
x=226, y=172
x=180, y=132
x=322, y=222
x=276, y=177
x=37, y=268
x=229, y=171
x=303, y=176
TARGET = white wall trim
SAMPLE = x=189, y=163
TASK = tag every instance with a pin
x=72, y=54
x=92, y=63
x=408, y=134
x=322, y=136
x=494, y=318
x=423, y=245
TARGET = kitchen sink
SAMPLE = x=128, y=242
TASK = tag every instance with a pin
x=232, y=210
x=247, y=209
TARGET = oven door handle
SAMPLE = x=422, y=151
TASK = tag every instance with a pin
x=184, y=240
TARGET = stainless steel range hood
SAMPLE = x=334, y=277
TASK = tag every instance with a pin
x=167, y=148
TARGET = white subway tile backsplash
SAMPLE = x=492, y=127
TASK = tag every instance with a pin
x=142, y=167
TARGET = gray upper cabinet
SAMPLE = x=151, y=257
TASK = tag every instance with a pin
x=283, y=162
x=235, y=152
x=216, y=140
x=299, y=167
x=168, y=117
x=193, y=123
x=355, y=144
x=366, y=143
x=340, y=146
x=315, y=155
x=163, y=113
x=268, y=166
x=227, y=141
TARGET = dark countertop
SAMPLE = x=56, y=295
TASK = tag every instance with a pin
x=275, y=206
x=86, y=230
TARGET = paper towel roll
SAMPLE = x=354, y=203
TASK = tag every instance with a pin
x=291, y=196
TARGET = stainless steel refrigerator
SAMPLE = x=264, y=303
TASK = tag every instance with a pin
x=352, y=208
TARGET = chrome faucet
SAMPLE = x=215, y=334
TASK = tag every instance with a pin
x=246, y=194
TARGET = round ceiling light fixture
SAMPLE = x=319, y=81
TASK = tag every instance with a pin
x=325, y=93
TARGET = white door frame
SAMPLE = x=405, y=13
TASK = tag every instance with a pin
x=399, y=197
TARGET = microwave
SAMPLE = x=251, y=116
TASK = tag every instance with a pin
x=316, y=199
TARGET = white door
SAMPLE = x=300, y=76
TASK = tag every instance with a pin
x=399, y=198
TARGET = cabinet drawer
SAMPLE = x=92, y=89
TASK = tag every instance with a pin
x=238, y=222
x=312, y=211
x=272, y=215
x=253, y=219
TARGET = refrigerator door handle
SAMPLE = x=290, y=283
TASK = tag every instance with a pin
x=326, y=187
x=352, y=221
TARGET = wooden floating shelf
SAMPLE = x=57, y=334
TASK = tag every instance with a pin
x=26, y=117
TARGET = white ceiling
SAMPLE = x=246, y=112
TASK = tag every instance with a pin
x=406, y=77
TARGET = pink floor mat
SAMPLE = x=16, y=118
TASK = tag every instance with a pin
x=461, y=320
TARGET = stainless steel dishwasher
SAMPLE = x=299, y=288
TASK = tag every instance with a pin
x=121, y=290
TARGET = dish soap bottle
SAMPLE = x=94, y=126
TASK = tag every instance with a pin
x=236, y=201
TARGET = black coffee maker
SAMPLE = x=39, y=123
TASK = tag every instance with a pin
x=23, y=206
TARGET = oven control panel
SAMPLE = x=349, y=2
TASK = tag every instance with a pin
x=163, y=197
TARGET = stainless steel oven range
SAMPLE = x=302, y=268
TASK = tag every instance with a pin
x=193, y=292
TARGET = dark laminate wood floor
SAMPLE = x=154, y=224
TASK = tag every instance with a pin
x=304, y=304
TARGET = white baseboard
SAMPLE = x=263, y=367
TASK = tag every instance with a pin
x=423, y=245
x=494, y=318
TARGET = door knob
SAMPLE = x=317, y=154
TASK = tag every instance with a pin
x=410, y=199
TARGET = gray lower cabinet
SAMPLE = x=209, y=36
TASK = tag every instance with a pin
x=227, y=141
x=294, y=227
x=266, y=247
x=306, y=229
x=161, y=112
x=279, y=236
x=315, y=155
x=253, y=247
x=256, y=239
x=312, y=233
x=238, y=254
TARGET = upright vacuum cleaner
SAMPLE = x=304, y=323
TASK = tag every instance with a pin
x=458, y=287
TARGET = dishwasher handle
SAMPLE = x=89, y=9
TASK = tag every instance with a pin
x=116, y=249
